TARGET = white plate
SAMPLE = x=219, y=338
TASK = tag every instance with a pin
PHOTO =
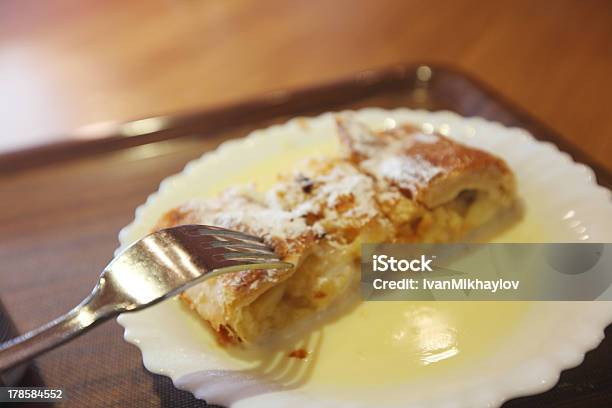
x=526, y=354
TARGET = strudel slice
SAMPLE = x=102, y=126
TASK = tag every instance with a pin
x=399, y=185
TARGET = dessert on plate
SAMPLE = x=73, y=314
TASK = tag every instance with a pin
x=395, y=185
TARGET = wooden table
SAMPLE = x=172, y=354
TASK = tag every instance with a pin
x=69, y=63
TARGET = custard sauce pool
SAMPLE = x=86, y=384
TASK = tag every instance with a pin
x=386, y=342
x=390, y=342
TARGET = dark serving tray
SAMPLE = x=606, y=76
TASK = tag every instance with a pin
x=62, y=206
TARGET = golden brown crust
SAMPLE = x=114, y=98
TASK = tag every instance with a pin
x=426, y=167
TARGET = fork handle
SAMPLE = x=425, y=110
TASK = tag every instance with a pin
x=48, y=336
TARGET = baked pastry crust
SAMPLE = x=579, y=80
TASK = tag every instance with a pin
x=398, y=185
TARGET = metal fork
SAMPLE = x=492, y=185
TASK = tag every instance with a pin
x=157, y=267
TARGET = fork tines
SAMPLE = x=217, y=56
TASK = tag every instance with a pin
x=237, y=247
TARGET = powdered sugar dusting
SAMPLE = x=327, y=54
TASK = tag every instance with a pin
x=359, y=136
x=360, y=190
x=425, y=138
x=337, y=196
x=262, y=222
x=389, y=155
x=245, y=209
x=406, y=172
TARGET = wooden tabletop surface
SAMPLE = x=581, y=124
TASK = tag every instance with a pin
x=71, y=63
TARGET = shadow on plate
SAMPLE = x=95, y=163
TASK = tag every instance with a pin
x=275, y=370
